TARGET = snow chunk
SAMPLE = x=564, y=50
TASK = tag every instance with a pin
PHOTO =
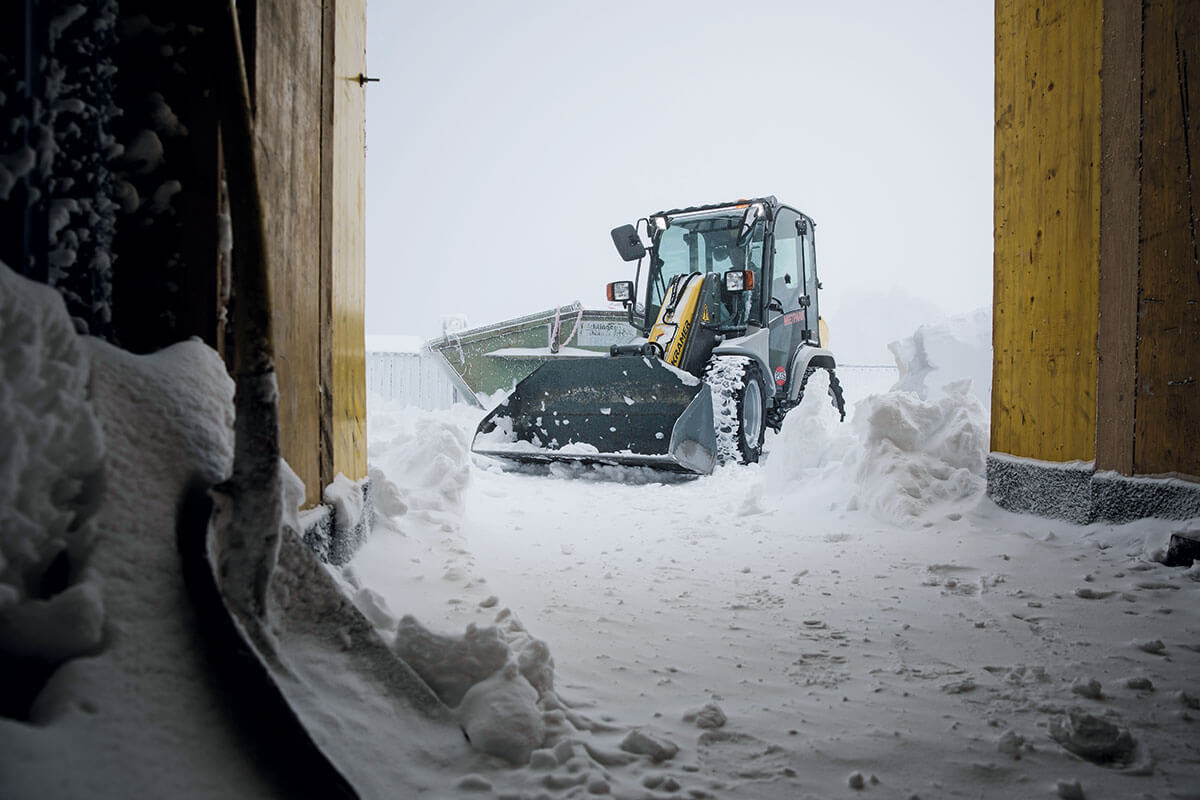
x=1093, y=738
x=451, y=665
x=921, y=457
x=710, y=716
x=646, y=743
x=501, y=717
x=425, y=461
x=936, y=355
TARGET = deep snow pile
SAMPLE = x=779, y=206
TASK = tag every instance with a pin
x=904, y=459
x=51, y=480
x=130, y=690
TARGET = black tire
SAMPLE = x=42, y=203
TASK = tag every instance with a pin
x=739, y=408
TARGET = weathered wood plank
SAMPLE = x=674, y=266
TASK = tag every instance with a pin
x=1168, y=355
x=1047, y=204
x=287, y=78
x=1120, y=141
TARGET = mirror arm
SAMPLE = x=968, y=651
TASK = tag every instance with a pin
x=631, y=307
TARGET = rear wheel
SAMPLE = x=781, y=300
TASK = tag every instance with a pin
x=739, y=408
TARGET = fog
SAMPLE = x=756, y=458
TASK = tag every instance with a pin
x=504, y=141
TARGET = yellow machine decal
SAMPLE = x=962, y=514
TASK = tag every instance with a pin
x=674, y=324
x=822, y=332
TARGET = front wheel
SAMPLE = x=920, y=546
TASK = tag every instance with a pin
x=739, y=408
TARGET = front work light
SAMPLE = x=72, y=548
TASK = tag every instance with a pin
x=738, y=280
x=620, y=292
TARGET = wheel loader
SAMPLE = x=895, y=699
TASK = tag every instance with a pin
x=730, y=333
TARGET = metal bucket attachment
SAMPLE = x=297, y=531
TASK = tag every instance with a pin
x=626, y=410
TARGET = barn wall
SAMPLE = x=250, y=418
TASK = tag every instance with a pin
x=310, y=121
x=1047, y=222
x=1097, y=260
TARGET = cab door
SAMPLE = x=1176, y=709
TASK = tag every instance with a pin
x=788, y=319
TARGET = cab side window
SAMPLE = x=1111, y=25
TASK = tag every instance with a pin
x=787, y=281
x=808, y=257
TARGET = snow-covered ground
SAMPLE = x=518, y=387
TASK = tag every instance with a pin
x=865, y=620
x=851, y=616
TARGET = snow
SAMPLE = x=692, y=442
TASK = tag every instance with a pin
x=387, y=343
x=546, y=352
x=51, y=475
x=120, y=714
x=851, y=616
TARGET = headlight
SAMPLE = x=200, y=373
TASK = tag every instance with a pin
x=739, y=280
x=620, y=292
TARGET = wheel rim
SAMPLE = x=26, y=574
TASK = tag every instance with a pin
x=752, y=415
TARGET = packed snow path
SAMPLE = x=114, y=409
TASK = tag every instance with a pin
x=853, y=643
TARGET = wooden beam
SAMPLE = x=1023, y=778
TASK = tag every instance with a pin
x=1168, y=354
x=347, y=294
x=1120, y=217
x=1047, y=219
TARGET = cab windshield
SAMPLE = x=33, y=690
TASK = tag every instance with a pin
x=706, y=244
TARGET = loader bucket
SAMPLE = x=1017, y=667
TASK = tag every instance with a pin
x=623, y=410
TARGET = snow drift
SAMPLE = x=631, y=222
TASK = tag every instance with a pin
x=902, y=458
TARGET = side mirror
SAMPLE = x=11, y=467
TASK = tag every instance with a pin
x=753, y=214
x=620, y=292
x=627, y=242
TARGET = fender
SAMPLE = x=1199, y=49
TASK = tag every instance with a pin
x=807, y=356
x=753, y=345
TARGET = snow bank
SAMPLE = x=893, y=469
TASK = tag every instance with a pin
x=944, y=353
x=903, y=458
x=141, y=694
x=420, y=461
x=918, y=457
x=51, y=478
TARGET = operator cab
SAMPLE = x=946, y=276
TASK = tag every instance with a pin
x=725, y=240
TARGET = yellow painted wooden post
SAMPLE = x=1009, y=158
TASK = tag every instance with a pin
x=1047, y=219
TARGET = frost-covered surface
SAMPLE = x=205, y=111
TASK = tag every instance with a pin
x=51, y=477
x=850, y=617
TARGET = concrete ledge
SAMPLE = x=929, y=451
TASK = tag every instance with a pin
x=334, y=537
x=1075, y=491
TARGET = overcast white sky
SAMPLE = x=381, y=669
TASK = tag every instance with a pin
x=506, y=139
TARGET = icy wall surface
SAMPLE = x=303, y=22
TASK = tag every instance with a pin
x=56, y=184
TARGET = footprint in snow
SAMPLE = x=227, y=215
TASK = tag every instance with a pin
x=1087, y=593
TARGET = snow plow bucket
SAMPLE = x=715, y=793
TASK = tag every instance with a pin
x=622, y=410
